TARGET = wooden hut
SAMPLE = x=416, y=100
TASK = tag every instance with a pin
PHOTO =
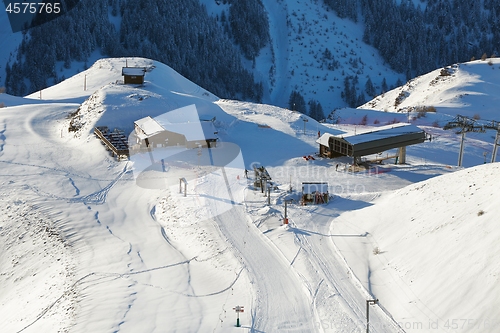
x=314, y=193
x=159, y=132
x=133, y=75
x=150, y=134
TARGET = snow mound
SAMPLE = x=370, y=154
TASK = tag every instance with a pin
x=108, y=71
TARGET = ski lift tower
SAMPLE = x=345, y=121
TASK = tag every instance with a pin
x=464, y=125
x=494, y=125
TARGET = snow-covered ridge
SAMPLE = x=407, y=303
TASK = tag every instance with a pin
x=467, y=89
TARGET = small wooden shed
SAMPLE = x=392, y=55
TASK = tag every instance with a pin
x=315, y=193
x=133, y=75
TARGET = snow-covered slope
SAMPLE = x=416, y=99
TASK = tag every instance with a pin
x=87, y=249
x=301, y=32
x=467, y=89
x=108, y=71
x=430, y=251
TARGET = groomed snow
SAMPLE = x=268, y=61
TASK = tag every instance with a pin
x=88, y=246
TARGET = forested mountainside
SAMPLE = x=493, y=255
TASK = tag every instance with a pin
x=418, y=36
x=216, y=50
x=179, y=33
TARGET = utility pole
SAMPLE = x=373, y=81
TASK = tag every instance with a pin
x=368, y=303
x=285, y=220
x=199, y=154
x=269, y=195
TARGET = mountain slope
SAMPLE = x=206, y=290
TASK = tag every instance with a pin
x=131, y=257
x=429, y=254
x=468, y=89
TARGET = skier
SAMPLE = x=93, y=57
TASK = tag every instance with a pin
x=337, y=167
x=246, y=173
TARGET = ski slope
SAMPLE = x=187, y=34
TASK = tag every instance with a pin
x=88, y=247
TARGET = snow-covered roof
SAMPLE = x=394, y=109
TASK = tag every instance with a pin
x=323, y=140
x=310, y=188
x=149, y=127
x=135, y=71
x=377, y=133
x=193, y=131
x=382, y=132
x=186, y=121
x=374, y=141
x=183, y=121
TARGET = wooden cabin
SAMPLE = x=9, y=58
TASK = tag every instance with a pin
x=133, y=75
x=159, y=132
x=314, y=193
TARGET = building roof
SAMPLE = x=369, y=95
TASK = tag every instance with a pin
x=193, y=131
x=310, y=188
x=323, y=140
x=374, y=141
x=186, y=121
x=134, y=71
x=183, y=121
x=149, y=127
x=382, y=132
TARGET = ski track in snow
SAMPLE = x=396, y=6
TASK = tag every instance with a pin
x=337, y=299
x=99, y=197
x=34, y=132
x=281, y=302
x=336, y=273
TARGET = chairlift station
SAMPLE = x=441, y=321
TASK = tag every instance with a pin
x=376, y=141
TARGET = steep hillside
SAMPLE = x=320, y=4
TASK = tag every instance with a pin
x=468, y=89
x=429, y=251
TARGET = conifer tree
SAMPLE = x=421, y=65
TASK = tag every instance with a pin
x=296, y=102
